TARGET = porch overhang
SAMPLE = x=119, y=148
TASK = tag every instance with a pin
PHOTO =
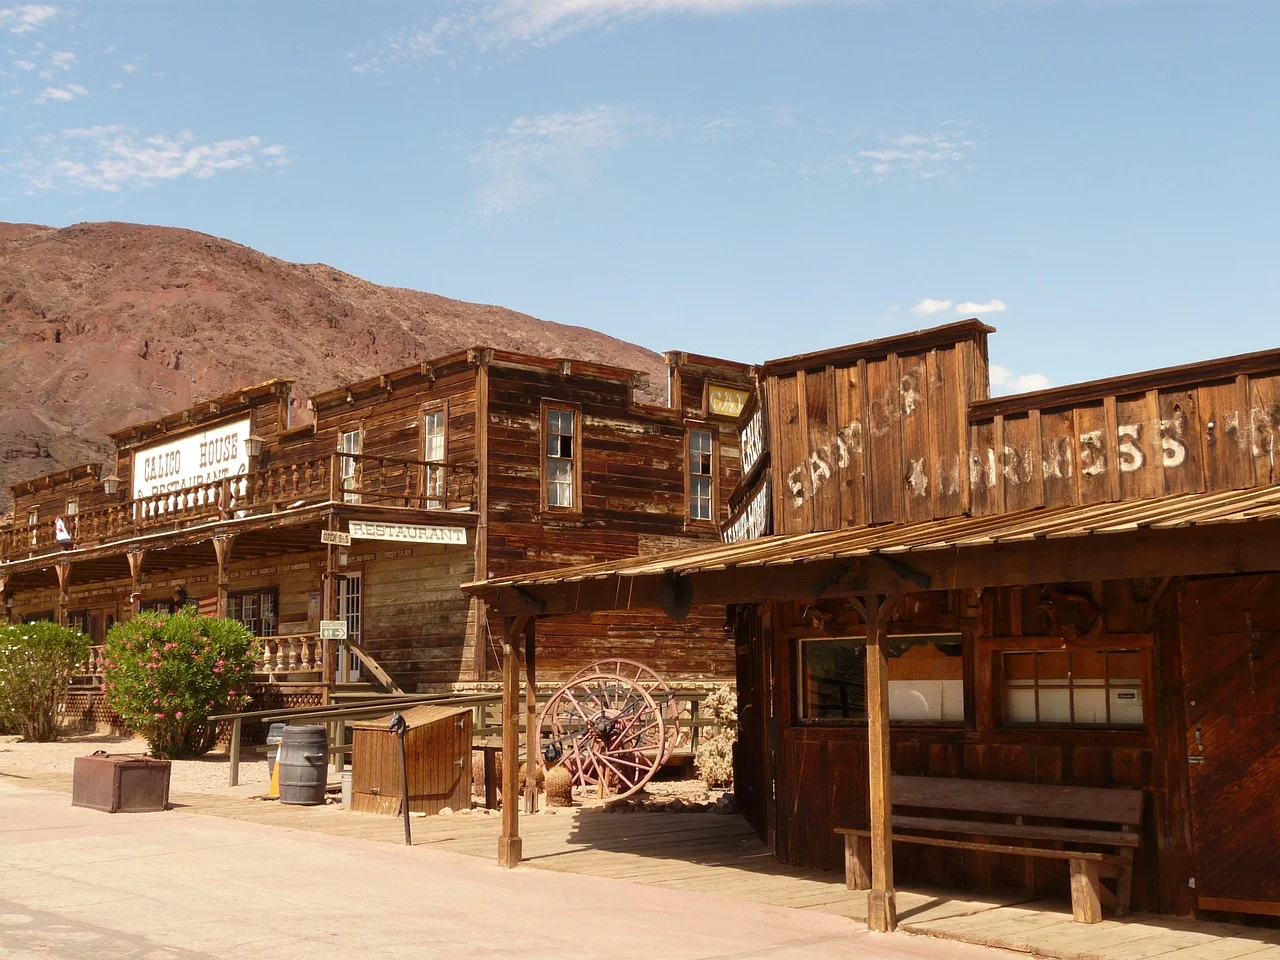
x=1235, y=531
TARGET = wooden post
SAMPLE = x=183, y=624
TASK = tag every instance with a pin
x=480, y=493
x=233, y=769
x=135, y=581
x=329, y=602
x=509, y=846
x=64, y=582
x=532, y=733
x=222, y=550
x=882, y=913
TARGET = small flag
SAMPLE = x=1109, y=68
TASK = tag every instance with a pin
x=207, y=606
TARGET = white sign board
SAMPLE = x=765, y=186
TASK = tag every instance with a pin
x=333, y=629
x=752, y=521
x=190, y=461
x=336, y=537
x=406, y=532
x=751, y=441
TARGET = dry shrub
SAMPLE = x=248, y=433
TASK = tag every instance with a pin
x=714, y=760
x=559, y=787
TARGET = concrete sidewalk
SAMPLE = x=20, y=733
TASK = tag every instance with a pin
x=177, y=886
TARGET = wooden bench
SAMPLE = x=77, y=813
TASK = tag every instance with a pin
x=949, y=812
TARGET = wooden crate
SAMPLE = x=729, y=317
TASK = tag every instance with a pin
x=438, y=756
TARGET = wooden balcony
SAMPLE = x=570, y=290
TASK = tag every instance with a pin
x=277, y=488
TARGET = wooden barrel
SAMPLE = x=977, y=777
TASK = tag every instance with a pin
x=274, y=733
x=304, y=763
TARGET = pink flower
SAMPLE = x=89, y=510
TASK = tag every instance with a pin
x=178, y=714
x=217, y=669
x=159, y=716
x=231, y=693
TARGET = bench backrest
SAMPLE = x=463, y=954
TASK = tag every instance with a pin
x=1114, y=805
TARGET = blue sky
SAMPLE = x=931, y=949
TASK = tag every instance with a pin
x=748, y=178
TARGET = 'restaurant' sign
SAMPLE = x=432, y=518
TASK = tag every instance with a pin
x=752, y=519
x=406, y=532
x=190, y=461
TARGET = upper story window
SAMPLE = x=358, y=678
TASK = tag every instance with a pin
x=256, y=609
x=701, y=475
x=926, y=679
x=561, y=476
x=352, y=443
x=33, y=521
x=73, y=506
x=434, y=452
x=1087, y=687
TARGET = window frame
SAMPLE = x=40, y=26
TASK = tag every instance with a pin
x=544, y=506
x=431, y=501
x=258, y=593
x=712, y=522
x=33, y=525
x=967, y=689
x=73, y=507
x=357, y=428
x=989, y=664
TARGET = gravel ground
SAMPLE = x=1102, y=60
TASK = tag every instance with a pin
x=205, y=775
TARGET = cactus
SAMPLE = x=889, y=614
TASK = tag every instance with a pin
x=559, y=782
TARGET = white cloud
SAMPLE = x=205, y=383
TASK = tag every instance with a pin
x=921, y=156
x=498, y=24
x=24, y=65
x=1005, y=381
x=113, y=157
x=972, y=308
x=62, y=94
x=928, y=306
x=26, y=17
x=130, y=68
x=535, y=154
x=63, y=59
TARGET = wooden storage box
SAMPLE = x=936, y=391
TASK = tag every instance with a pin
x=438, y=755
x=120, y=783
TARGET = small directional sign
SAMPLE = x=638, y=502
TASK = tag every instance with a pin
x=336, y=537
x=333, y=629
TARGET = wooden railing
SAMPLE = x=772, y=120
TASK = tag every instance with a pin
x=280, y=486
x=300, y=656
x=92, y=672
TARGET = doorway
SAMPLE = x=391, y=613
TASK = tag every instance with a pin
x=350, y=609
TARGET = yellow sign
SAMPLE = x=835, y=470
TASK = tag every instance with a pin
x=726, y=401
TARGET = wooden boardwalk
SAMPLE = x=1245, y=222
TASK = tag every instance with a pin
x=722, y=855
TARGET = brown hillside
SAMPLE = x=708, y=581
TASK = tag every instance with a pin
x=106, y=324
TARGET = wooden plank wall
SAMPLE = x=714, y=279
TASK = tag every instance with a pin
x=1219, y=435
x=821, y=771
x=882, y=440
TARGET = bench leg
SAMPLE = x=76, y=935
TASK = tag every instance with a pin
x=1086, y=899
x=1124, y=886
x=857, y=862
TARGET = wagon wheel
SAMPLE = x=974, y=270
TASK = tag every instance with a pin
x=607, y=731
x=658, y=688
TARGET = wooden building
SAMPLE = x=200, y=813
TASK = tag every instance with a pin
x=478, y=463
x=1074, y=591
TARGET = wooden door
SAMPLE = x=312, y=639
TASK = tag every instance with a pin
x=1231, y=681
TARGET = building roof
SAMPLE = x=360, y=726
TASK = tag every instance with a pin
x=913, y=342
x=1061, y=523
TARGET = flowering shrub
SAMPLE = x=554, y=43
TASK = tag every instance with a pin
x=37, y=662
x=166, y=674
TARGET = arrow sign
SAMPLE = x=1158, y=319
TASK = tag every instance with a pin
x=333, y=629
x=335, y=537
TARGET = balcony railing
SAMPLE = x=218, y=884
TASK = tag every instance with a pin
x=296, y=657
x=281, y=486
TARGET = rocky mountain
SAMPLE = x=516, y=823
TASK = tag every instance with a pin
x=107, y=324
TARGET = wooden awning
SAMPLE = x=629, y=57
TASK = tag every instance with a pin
x=1185, y=535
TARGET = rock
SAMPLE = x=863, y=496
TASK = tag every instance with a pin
x=446, y=811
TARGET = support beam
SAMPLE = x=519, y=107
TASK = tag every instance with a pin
x=135, y=580
x=509, y=846
x=329, y=608
x=532, y=733
x=64, y=583
x=222, y=550
x=882, y=912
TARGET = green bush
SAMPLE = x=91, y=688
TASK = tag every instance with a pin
x=37, y=662
x=167, y=674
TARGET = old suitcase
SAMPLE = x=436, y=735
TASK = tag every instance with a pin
x=120, y=783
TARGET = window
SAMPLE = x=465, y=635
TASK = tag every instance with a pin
x=156, y=606
x=926, y=679
x=73, y=507
x=256, y=609
x=79, y=620
x=434, y=452
x=560, y=474
x=44, y=616
x=352, y=445
x=701, y=475
x=33, y=523
x=1074, y=687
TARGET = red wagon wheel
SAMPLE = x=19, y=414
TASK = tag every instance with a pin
x=607, y=731
x=657, y=687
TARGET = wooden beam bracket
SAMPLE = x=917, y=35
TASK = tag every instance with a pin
x=904, y=572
